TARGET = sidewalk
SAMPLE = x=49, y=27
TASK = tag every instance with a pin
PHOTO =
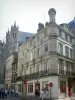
x=23, y=97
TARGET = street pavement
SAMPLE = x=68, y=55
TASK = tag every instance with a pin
x=23, y=98
x=20, y=98
x=11, y=98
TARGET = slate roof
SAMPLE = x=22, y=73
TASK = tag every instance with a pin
x=72, y=23
x=22, y=36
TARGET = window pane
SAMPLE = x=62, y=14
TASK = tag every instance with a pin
x=46, y=47
x=30, y=88
x=67, y=51
x=62, y=86
x=60, y=48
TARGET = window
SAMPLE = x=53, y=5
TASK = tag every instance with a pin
x=45, y=66
x=70, y=39
x=71, y=53
x=13, y=35
x=46, y=47
x=37, y=38
x=67, y=51
x=45, y=33
x=60, y=48
x=72, y=67
x=30, y=87
x=19, y=87
x=24, y=72
x=20, y=72
x=63, y=86
x=30, y=43
x=38, y=51
x=31, y=56
x=31, y=69
x=63, y=35
x=66, y=37
x=68, y=67
x=61, y=66
x=37, y=68
x=45, y=85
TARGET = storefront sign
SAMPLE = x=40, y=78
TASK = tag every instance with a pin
x=25, y=82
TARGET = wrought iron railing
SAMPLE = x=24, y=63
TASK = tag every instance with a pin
x=48, y=72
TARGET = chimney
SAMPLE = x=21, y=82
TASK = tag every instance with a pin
x=46, y=24
x=40, y=26
x=52, y=13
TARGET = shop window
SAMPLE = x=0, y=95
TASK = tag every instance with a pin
x=30, y=88
x=45, y=85
x=62, y=86
x=19, y=88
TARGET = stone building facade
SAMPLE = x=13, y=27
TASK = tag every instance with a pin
x=2, y=63
x=8, y=72
x=47, y=57
x=14, y=70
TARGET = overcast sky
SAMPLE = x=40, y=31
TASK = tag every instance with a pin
x=28, y=13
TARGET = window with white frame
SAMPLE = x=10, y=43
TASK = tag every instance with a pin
x=45, y=66
x=45, y=33
x=60, y=48
x=37, y=68
x=25, y=57
x=31, y=56
x=31, y=69
x=71, y=53
x=63, y=35
x=30, y=43
x=70, y=39
x=46, y=47
x=72, y=67
x=38, y=51
x=24, y=72
x=38, y=38
x=66, y=36
x=68, y=66
x=61, y=66
x=66, y=51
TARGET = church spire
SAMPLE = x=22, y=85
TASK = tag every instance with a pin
x=14, y=23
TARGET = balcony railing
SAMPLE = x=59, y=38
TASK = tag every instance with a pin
x=48, y=73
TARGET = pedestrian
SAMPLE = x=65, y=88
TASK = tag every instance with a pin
x=6, y=92
x=16, y=92
x=0, y=93
x=42, y=94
